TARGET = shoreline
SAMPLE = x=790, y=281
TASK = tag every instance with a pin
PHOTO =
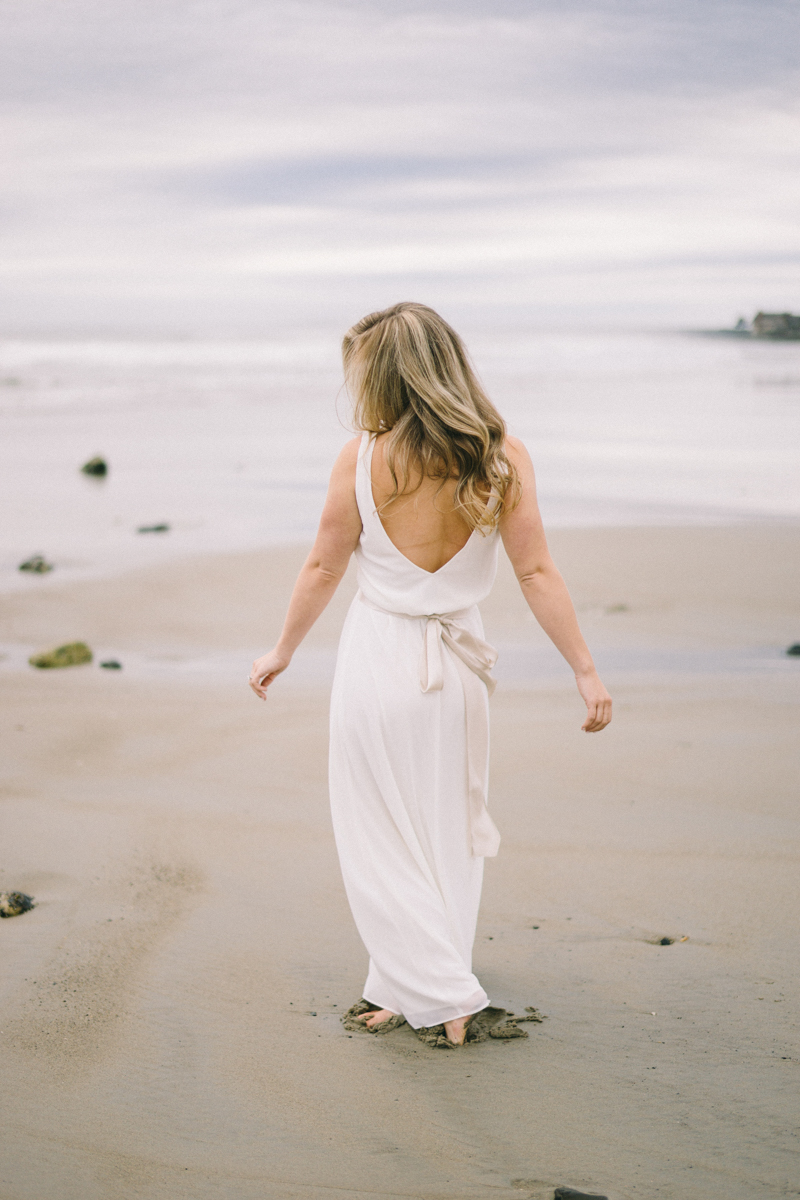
x=75, y=568
x=669, y=584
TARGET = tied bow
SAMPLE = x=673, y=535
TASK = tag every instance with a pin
x=476, y=654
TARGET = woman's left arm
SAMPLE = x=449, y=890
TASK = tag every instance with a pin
x=322, y=572
x=545, y=590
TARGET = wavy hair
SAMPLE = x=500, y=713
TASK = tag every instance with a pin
x=409, y=375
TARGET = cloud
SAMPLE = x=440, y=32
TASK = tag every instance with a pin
x=210, y=153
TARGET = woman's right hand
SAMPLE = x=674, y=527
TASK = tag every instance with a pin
x=267, y=668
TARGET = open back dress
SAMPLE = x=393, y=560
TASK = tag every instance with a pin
x=409, y=766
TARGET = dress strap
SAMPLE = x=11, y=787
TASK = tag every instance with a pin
x=364, y=500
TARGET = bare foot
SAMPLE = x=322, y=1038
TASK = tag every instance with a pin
x=456, y=1031
x=371, y=1019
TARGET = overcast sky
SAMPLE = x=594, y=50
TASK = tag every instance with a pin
x=222, y=165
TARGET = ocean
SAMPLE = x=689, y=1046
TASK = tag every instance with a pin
x=230, y=443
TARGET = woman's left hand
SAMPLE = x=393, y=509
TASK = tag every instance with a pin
x=265, y=669
x=597, y=700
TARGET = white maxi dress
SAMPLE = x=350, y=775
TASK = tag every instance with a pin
x=409, y=766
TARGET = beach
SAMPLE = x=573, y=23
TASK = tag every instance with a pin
x=202, y=202
x=171, y=1007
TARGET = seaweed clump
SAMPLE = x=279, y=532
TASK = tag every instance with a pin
x=96, y=466
x=14, y=903
x=36, y=565
x=70, y=655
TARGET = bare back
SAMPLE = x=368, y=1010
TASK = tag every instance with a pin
x=422, y=524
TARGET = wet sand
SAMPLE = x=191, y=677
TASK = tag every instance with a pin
x=170, y=1010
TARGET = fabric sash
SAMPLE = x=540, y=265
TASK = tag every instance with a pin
x=474, y=660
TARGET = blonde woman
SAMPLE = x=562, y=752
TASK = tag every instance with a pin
x=423, y=498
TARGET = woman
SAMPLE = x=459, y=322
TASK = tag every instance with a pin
x=422, y=499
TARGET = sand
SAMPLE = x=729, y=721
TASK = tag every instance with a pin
x=171, y=1008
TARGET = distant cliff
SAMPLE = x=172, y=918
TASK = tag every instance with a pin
x=777, y=327
x=783, y=326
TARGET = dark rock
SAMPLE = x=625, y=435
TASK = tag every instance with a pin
x=70, y=655
x=36, y=564
x=665, y=941
x=793, y=650
x=568, y=1193
x=111, y=664
x=163, y=528
x=95, y=466
x=14, y=903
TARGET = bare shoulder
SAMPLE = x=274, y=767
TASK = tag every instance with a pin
x=347, y=458
x=349, y=451
x=517, y=453
x=515, y=447
x=341, y=506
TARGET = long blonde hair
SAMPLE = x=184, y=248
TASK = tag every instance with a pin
x=409, y=375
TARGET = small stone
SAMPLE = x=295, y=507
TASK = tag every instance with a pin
x=14, y=903
x=70, y=655
x=665, y=941
x=161, y=528
x=95, y=466
x=794, y=650
x=36, y=564
x=111, y=664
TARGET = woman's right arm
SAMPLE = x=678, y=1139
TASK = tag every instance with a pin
x=545, y=591
x=337, y=538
